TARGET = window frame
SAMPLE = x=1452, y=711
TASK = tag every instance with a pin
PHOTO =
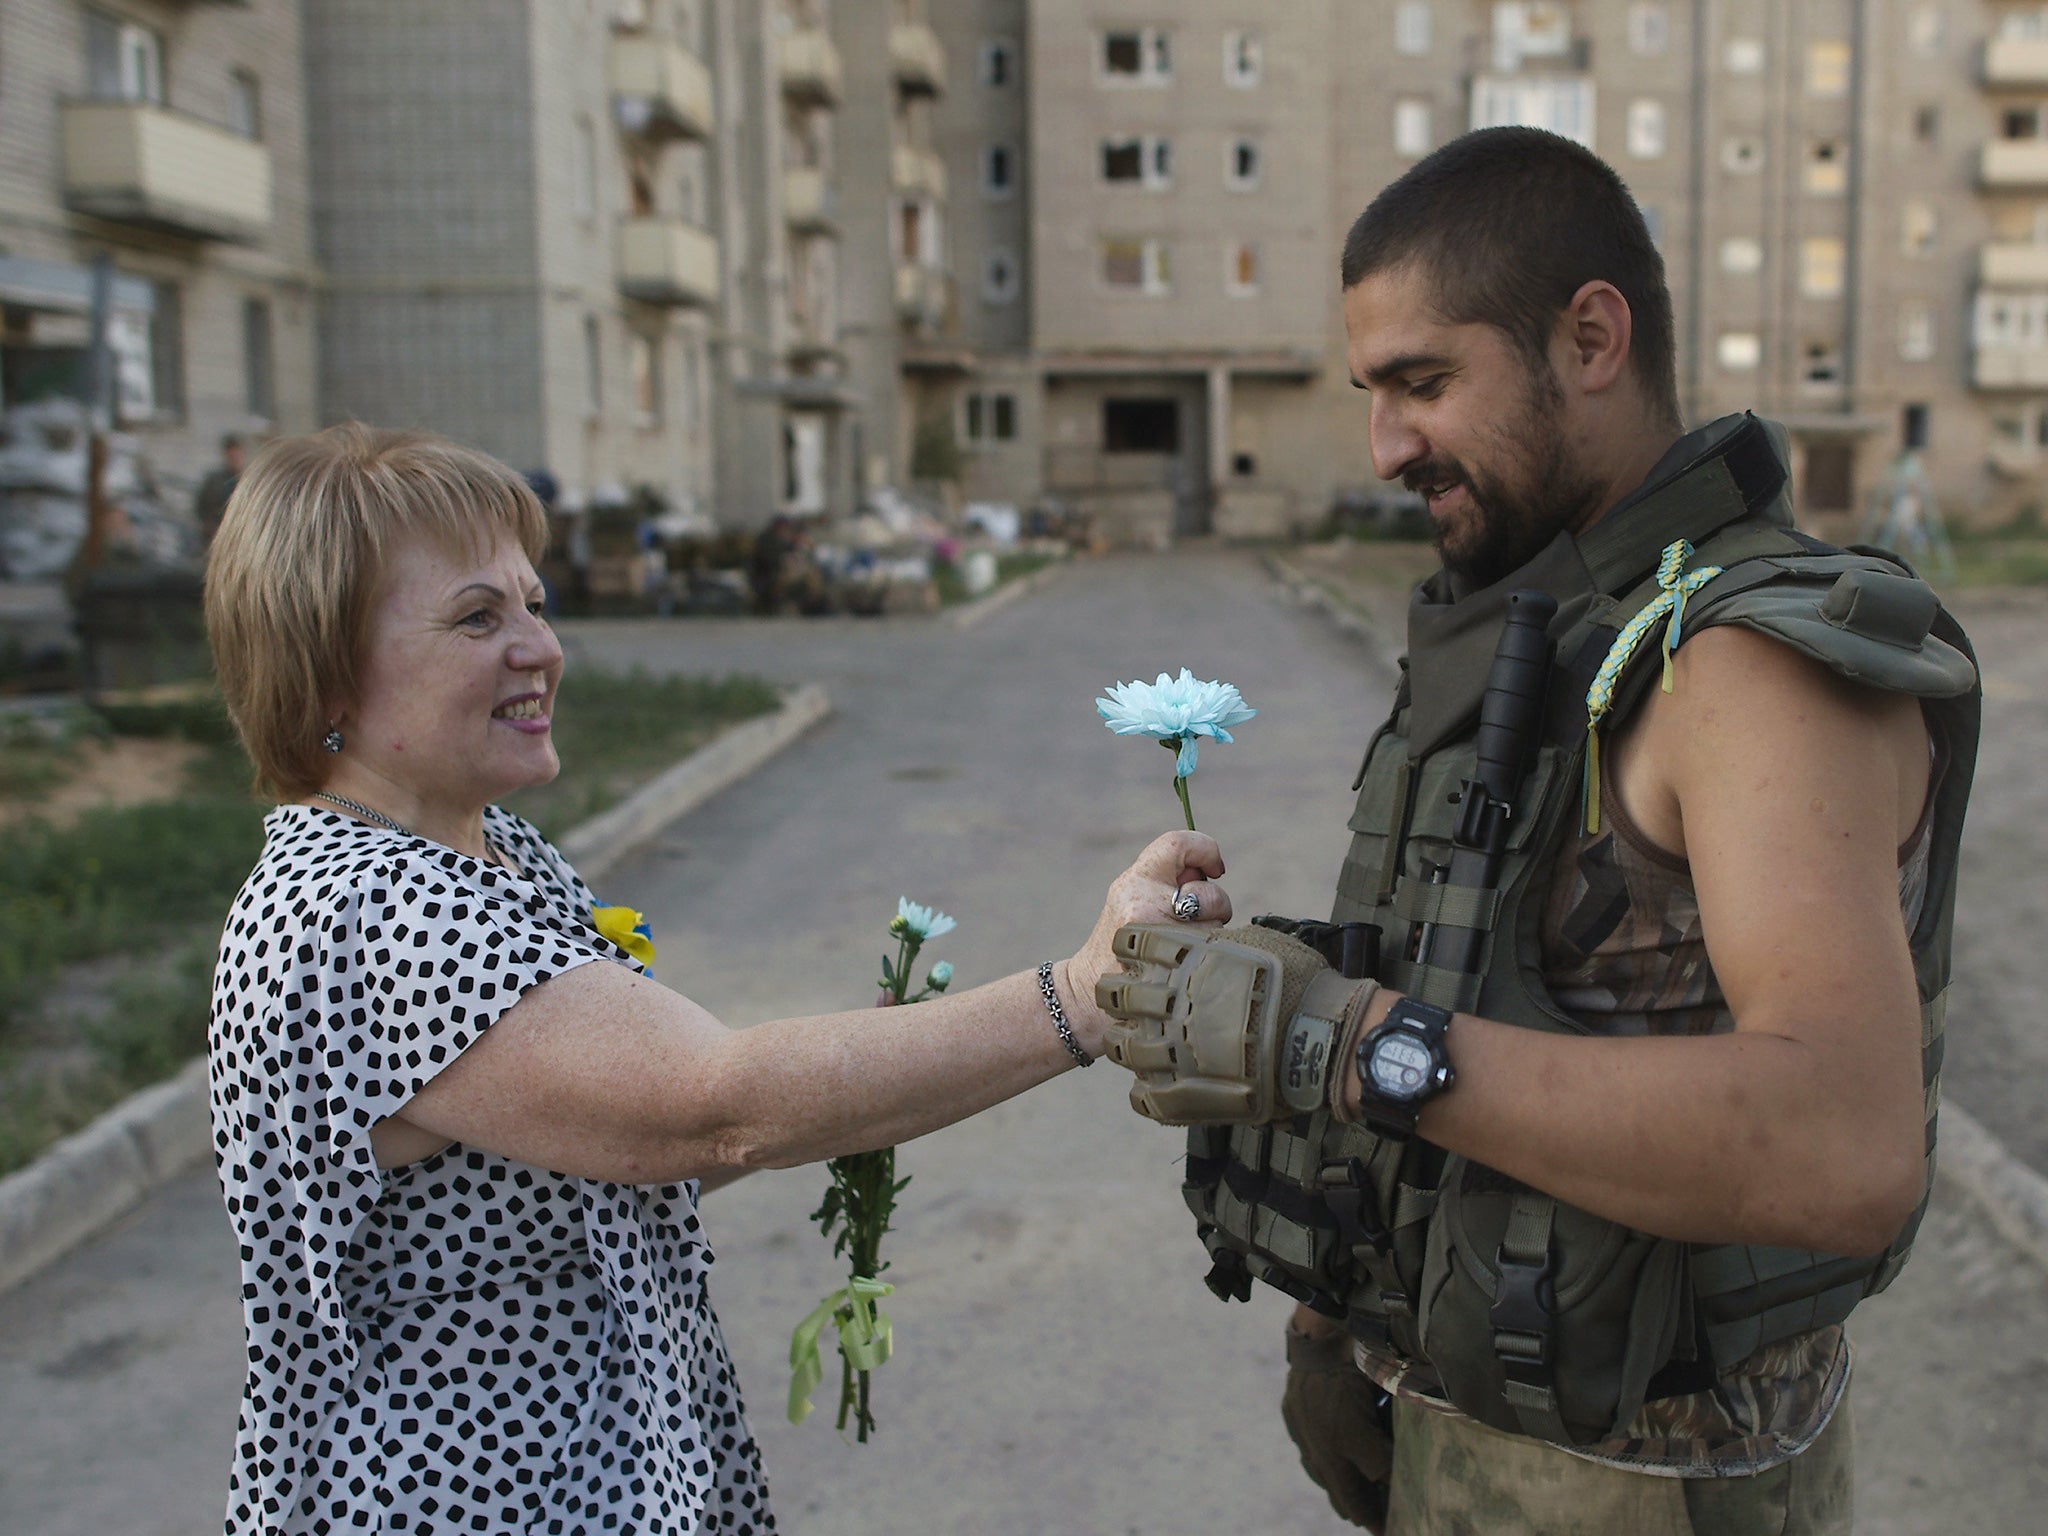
x=1235, y=179
x=993, y=292
x=1244, y=59
x=1234, y=283
x=1155, y=265
x=1155, y=57
x=992, y=189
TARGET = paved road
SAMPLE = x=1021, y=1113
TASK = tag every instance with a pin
x=1061, y=1367
x=1998, y=1049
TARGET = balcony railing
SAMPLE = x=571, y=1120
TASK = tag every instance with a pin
x=2009, y=367
x=663, y=89
x=2013, y=264
x=144, y=164
x=665, y=261
x=808, y=203
x=2015, y=163
x=2016, y=61
x=918, y=173
x=918, y=58
x=922, y=295
x=810, y=66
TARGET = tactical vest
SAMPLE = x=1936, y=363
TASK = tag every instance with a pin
x=1533, y=1316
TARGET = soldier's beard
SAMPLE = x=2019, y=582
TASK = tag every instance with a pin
x=1512, y=515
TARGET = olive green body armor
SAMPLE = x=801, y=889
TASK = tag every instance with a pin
x=1533, y=1316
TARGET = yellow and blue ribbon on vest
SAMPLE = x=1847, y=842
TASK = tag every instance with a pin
x=627, y=929
x=1676, y=584
x=866, y=1338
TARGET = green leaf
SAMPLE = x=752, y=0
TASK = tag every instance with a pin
x=888, y=972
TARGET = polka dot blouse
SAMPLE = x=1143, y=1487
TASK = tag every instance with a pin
x=463, y=1344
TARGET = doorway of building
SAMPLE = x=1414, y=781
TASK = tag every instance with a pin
x=1830, y=481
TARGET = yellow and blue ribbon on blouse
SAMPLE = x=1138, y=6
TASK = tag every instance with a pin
x=1677, y=584
x=866, y=1338
x=627, y=929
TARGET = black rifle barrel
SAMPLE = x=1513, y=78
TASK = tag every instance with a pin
x=1510, y=721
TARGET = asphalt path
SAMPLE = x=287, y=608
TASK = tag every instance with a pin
x=1060, y=1367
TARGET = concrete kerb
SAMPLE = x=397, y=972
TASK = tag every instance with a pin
x=600, y=842
x=89, y=1180
x=967, y=615
x=1974, y=1162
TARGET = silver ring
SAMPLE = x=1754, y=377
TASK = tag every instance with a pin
x=1185, y=907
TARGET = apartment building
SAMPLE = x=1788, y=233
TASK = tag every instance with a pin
x=1851, y=198
x=169, y=137
x=897, y=292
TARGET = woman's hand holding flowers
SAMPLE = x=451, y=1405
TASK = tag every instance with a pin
x=1178, y=862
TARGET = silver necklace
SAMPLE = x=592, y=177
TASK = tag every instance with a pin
x=364, y=811
x=359, y=809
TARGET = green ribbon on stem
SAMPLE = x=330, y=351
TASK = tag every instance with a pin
x=865, y=1338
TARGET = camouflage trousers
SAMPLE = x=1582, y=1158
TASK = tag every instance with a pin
x=1453, y=1477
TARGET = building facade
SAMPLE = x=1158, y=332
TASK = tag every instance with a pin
x=169, y=137
x=1851, y=200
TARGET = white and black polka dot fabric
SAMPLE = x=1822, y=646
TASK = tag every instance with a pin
x=465, y=1344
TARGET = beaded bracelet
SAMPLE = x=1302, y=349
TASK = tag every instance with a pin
x=1059, y=1016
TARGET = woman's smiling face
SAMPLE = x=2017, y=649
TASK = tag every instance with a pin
x=459, y=677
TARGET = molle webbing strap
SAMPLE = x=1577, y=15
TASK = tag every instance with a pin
x=1524, y=1307
x=1462, y=906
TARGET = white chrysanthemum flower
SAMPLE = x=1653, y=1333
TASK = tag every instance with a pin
x=1181, y=710
x=924, y=922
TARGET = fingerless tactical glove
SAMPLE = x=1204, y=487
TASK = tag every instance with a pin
x=1233, y=1027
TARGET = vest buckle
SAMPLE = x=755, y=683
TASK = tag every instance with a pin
x=1350, y=1199
x=1524, y=1303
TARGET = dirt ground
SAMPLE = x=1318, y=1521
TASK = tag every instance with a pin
x=1997, y=1056
x=123, y=771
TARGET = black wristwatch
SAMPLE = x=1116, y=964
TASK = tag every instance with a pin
x=1402, y=1065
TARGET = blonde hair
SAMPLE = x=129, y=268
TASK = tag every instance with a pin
x=296, y=564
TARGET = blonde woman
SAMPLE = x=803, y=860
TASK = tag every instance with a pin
x=461, y=1135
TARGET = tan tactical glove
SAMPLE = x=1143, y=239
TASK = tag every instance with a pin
x=1335, y=1414
x=1233, y=1027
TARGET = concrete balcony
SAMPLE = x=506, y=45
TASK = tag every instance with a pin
x=2013, y=264
x=809, y=203
x=923, y=295
x=2014, y=163
x=2009, y=368
x=809, y=65
x=665, y=261
x=917, y=59
x=918, y=173
x=147, y=165
x=662, y=89
x=2018, y=61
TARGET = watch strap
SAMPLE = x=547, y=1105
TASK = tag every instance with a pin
x=1425, y=1021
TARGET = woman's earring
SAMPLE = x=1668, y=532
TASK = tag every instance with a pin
x=332, y=740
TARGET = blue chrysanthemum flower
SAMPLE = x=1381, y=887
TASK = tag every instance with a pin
x=1181, y=710
x=924, y=922
x=940, y=976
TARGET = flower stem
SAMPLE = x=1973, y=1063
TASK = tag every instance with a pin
x=1180, y=787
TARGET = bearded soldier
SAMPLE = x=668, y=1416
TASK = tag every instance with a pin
x=1576, y=1181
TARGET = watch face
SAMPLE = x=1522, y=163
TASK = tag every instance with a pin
x=1401, y=1066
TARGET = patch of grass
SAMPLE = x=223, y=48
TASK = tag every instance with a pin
x=149, y=884
x=952, y=582
x=158, y=1020
x=616, y=730
x=38, y=751
x=120, y=880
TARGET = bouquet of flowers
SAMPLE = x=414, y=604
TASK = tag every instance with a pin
x=858, y=1204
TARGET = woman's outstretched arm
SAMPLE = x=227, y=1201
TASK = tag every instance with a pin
x=603, y=1073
